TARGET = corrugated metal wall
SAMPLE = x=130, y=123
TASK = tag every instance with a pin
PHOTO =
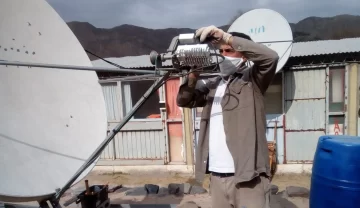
x=142, y=140
x=140, y=145
x=305, y=109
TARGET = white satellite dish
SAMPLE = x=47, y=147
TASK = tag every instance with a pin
x=269, y=28
x=51, y=120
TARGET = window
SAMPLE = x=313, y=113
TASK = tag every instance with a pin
x=336, y=89
x=336, y=101
x=132, y=91
x=111, y=101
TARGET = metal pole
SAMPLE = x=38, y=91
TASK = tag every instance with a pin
x=158, y=83
x=130, y=78
x=278, y=41
x=85, y=68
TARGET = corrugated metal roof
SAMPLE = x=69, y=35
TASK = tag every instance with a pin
x=310, y=48
x=323, y=47
x=128, y=62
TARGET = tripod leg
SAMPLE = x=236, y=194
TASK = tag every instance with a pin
x=158, y=83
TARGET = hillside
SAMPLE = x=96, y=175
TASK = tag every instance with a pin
x=130, y=40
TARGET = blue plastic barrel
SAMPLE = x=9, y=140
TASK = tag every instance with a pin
x=335, y=180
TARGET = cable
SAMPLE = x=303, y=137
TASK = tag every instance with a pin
x=109, y=62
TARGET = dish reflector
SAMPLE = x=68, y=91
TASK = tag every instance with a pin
x=50, y=120
x=269, y=28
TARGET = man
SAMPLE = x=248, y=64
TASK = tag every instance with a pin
x=232, y=145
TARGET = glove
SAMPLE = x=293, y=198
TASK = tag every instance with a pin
x=215, y=34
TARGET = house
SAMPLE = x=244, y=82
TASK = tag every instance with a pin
x=315, y=93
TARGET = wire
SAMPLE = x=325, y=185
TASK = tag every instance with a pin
x=109, y=62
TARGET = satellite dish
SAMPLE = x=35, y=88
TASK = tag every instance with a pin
x=51, y=120
x=269, y=28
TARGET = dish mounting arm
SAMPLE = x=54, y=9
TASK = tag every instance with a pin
x=157, y=84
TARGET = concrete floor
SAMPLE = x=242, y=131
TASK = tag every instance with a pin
x=120, y=200
x=203, y=200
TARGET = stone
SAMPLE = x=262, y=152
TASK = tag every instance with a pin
x=138, y=191
x=188, y=204
x=282, y=194
x=151, y=188
x=113, y=188
x=274, y=189
x=295, y=191
x=187, y=188
x=197, y=190
x=163, y=191
x=122, y=189
x=175, y=188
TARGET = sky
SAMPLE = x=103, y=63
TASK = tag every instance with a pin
x=159, y=14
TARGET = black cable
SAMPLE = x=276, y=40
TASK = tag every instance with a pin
x=109, y=62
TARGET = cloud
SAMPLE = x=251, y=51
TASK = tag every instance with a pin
x=189, y=13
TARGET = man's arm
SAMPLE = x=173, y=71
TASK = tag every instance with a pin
x=192, y=93
x=265, y=60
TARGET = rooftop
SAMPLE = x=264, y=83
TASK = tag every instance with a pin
x=300, y=49
x=323, y=47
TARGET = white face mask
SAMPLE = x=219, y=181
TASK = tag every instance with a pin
x=229, y=66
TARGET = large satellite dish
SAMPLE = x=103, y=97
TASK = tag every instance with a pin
x=269, y=28
x=51, y=120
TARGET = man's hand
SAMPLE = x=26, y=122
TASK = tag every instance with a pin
x=215, y=35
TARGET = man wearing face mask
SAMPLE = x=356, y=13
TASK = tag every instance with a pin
x=232, y=145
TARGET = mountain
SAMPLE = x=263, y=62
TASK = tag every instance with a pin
x=330, y=28
x=124, y=40
x=130, y=40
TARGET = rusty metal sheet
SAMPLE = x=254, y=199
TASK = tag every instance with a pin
x=305, y=84
x=305, y=115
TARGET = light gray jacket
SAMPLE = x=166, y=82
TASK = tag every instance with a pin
x=243, y=112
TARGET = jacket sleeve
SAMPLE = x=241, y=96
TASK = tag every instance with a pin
x=265, y=60
x=192, y=97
